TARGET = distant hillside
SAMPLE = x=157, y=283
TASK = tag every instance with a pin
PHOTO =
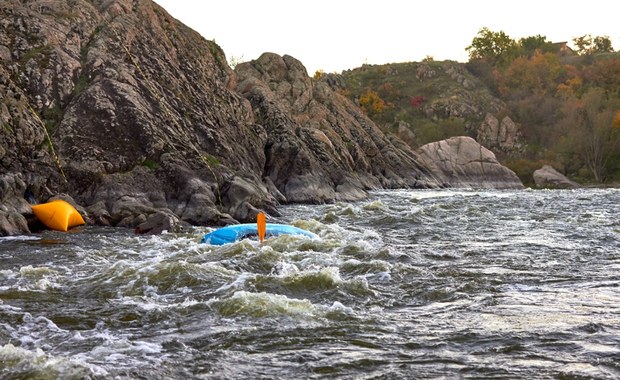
x=533, y=109
x=430, y=101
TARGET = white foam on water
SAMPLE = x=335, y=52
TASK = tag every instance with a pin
x=284, y=268
x=7, y=274
x=337, y=306
x=244, y=303
x=18, y=238
x=36, y=336
x=38, y=364
x=36, y=278
x=348, y=267
x=238, y=283
x=381, y=277
x=155, y=304
x=29, y=271
x=119, y=350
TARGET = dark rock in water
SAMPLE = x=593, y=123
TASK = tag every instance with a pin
x=160, y=221
x=548, y=177
x=13, y=223
x=13, y=206
x=239, y=195
x=462, y=162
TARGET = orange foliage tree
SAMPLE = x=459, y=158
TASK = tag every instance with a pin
x=319, y=74
x=538, y=75
x=571, y=85
x=372, y=103
x=606, y=74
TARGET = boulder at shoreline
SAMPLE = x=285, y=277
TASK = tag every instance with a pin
x=462, y=162
x=548, y=177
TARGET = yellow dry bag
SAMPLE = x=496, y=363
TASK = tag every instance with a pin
x=58, y=215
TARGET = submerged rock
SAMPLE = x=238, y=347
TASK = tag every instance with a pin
x=160, y=221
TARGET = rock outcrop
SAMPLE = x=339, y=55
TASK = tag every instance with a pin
x=138, y=118
x=548, y=177
x=320, y=147
x=141, y=121
x=503, y=136
x=13, y=205
x=462, y=162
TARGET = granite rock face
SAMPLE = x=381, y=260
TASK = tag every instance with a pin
x=122, y=107
x=504, y=135
x=137, y=118
x=320, y=147
x=13, y=205
x=462, y=162
x=142, y=123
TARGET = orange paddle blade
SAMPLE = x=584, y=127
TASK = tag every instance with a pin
x=261, y=224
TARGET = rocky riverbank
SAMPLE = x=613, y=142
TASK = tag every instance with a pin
x=141, y=121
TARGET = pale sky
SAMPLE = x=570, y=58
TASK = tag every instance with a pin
x=336, y=35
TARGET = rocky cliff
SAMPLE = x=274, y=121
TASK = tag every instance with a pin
x=320, y=146
x=139, y=108
x=135, y=115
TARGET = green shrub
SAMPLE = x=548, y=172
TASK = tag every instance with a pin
x=52, y=117
x=211, y=160
x=150, y=164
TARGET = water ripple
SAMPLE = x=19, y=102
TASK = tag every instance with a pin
x=424, y=284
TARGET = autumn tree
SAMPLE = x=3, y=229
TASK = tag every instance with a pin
x=588, y=45
x=573, y=82
x=530, y=45
x=496, y=47
x=372, y=103
x=524, y=76
x=590, y=130
x=605, y=73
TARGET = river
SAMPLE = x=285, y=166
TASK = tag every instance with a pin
x=407, y=284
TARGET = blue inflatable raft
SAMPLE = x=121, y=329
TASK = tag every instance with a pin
x=236, y=232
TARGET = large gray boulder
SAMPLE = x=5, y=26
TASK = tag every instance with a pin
x=548, y=177
x=462, y=162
